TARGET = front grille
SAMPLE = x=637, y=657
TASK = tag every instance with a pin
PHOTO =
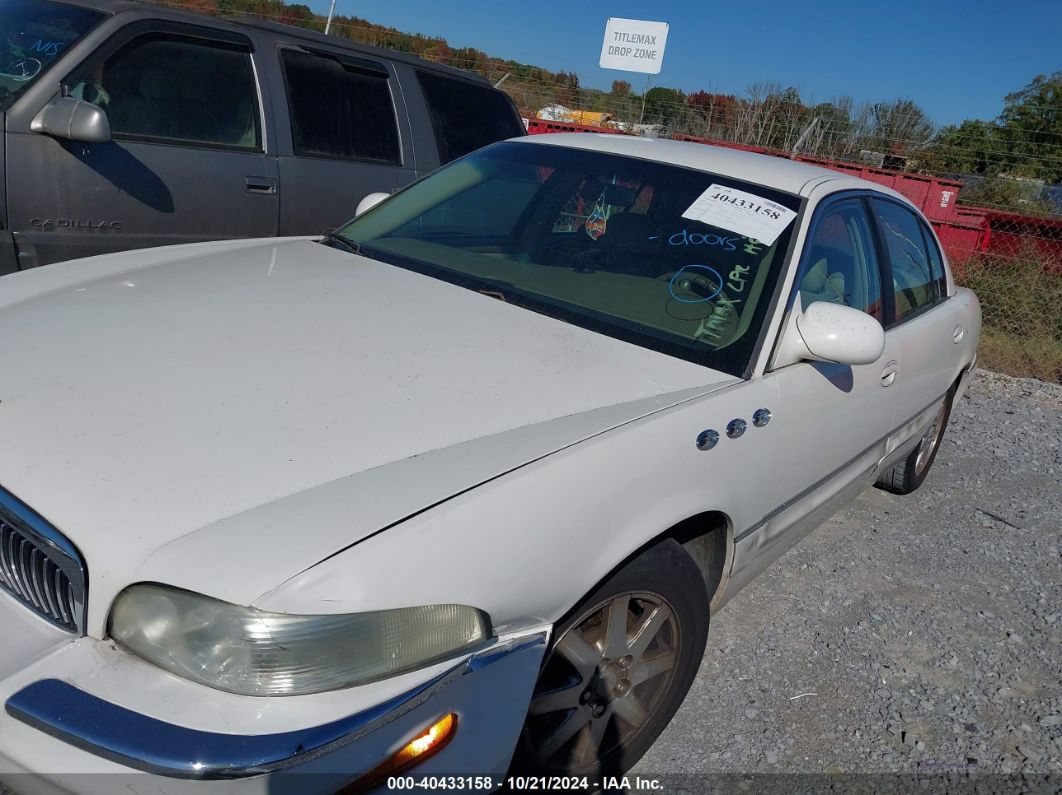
x=38, y=566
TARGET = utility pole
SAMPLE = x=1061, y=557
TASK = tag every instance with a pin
x=804, y=135
x=641, y=116
x=331, y=12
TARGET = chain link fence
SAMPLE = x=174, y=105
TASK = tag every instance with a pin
x=1015, y=267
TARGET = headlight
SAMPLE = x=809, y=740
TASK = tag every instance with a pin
x=247, y=651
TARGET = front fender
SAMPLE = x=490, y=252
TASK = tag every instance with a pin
x=528, y=546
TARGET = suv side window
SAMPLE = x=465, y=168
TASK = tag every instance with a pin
x=466, y=116
x=914, y=280
x=340, y=110
x=175, y=89
x=840, y=264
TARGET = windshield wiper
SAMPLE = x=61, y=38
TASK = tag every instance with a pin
x=341, y=241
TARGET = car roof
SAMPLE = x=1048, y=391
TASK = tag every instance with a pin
x=238, y=21
x=780, y=173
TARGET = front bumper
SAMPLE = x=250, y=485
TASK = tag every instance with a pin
x=58, y=735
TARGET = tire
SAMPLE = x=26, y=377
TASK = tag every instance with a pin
x=589, y=715
x=908, y=475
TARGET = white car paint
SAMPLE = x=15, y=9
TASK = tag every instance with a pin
x=250, y=421
x=260, y=373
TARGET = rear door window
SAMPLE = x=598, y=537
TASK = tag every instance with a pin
x=177, y=89
x=914, y=283
x=341, y=109
x=936, y=263
x=466, y=116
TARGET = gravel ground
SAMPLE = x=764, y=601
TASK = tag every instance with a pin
x=906, y=634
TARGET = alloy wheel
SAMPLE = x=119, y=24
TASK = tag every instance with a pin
x=603, y=679
x=930, y=441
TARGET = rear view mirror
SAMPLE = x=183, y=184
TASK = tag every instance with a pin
x=618, y=196
x=827, y=332
x=74, y=120
x=369, y=202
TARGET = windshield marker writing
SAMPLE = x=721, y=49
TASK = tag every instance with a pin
x=685, y=238
x=753, y=246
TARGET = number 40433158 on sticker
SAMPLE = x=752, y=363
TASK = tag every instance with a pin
x=742, y=212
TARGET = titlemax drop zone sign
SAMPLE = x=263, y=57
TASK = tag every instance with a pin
x=634, y=45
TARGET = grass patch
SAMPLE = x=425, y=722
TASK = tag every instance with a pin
x=1021, y=307
x=1028, y=357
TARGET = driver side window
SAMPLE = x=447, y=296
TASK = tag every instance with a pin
x=169, y=88
x=840, y=264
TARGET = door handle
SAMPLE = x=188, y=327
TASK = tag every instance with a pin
x=888, y=373
x=264, y=185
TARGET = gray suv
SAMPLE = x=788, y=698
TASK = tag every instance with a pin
x=129, y=125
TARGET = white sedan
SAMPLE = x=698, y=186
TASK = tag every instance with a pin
x=455, y=489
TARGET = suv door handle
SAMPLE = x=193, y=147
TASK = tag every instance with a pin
x=263, y=185
x=888, y=373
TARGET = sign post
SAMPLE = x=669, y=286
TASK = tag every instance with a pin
x=634, y=45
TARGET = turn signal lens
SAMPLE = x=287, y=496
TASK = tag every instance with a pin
x=426, y=744
x=430, y=740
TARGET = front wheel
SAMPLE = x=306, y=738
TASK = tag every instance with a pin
x=908, y=475
x=618, y=668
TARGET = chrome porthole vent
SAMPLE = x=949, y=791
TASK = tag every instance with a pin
x=707, y=439
x=761, y=417
x=735, y=428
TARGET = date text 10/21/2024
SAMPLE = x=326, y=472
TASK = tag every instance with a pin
x=526, y=783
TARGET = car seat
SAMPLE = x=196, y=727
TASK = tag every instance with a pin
x=829, y=278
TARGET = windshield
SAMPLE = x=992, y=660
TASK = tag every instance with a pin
x=654, y=254
x=34, y=34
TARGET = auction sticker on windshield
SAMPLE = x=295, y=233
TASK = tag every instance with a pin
x=738, y=211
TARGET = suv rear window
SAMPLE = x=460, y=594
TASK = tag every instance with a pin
x=340, y=110
x=467, y=116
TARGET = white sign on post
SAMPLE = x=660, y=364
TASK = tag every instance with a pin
x=634, y=45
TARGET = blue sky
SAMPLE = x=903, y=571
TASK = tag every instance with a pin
x=957, y=59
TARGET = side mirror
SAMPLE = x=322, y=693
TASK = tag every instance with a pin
x=73, y=119
x=369, y=202
x=826, y=332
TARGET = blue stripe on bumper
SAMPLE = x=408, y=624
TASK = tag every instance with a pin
x=155, y=746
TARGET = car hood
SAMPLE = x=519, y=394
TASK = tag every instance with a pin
x=153, y=396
